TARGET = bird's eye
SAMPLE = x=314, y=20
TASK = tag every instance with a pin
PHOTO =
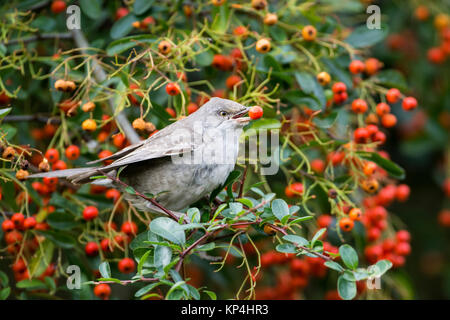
x=223, y=113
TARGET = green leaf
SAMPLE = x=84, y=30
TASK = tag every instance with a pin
x=121, y=45
x=246, y=202
x=391, y=79
x=346, y=288
x=61, y=220
x=4, y=280
x=318, y=234
x=296, y=239
x=4, y=112
x=146, y=289
x=204, y=58
x=62, y=240
x=391, y=168
x=286, y=248
x=363, y=37
x=122, y=26
x=265, y=123
x=334, y=265
x=141, y=6
x=91, y=8
x=105, y=269
x=327, y=121
x=349, y=256
x=280, y=208
x=211, y=294
x=168, y=229
x=109, y=279
x=221, y=16
x=380, y=268
x=33, y=284
x=42, y=258
x=142, y=261
x=194, y=215
x=162, y=256
x=4, y=293
x=309, y=85
x=130, y=190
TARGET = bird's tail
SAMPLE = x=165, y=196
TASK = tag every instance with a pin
x=76, y=175
x=62, y=173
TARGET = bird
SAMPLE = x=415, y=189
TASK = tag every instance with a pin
x=178, y=165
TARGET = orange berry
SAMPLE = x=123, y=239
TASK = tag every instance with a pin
x=192, y=107
x=372, y=66
x=359, y=106
x=388, y=120
x=393, y=95
x=355, y=214
x=171, y=112
x=324, y=78
x=346, y=224
x=241, y=31
x=263, y=45
x=89, y=125
x=309, y=33
x=119, y=140
x=356, y=66
x=270, y=19
x=382, y=108
x=88, y=106
x=164, y=47
x=232, y=81
x=369, y=168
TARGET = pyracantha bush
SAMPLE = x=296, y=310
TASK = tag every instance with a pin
x=320, y=227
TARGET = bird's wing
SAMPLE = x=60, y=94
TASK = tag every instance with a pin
x=120, y=154
x=162, y=144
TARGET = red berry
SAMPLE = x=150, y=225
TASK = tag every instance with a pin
x=121, y=12
x=294, y=190
x=356, y=66
x=324, y=220
x=91, y=249
x=403, y=248
x=191, y=108
x=7, y=225
x=388, y=120
x=361, y=135
x=126, y=265
x=382, y=108
x=339, y=87
x=402, y=192
x=359, y=106
x=13, y=237
x=29, y=223
x=222, y=62
x=129, y=228
x=18, y=219
x=72, y=152
x=318, y=165
x=112, y=194
x=90, y=213
x=59, y=165
x=102, y=291
x=52, y=155
x=255, y=112
x=58, y=6
x=409, y=103
x=172, y=89
x=19, y=266
x=373, y=234
x=403, y=236
x=393, y=95
x=232, y=81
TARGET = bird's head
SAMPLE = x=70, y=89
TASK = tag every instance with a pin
x=222, y=114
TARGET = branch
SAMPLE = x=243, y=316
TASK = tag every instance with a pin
x=153, y=201
x=32, y=117
x=125, y=282
x=100, y=76
x=45, y=36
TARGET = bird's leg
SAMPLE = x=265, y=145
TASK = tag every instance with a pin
x=137, y=193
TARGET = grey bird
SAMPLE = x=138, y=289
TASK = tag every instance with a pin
x=179, y=164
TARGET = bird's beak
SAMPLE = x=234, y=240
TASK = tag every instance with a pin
x=239, y=117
